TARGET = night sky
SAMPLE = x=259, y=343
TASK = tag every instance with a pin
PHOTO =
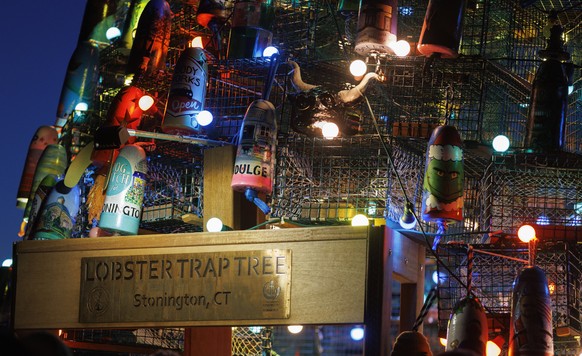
x=38, y=38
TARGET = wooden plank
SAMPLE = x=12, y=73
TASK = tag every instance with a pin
x=328, y=277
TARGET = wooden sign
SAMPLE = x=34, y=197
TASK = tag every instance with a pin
x=194, y=286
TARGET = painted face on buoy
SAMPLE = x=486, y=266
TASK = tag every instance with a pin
x=444, y=179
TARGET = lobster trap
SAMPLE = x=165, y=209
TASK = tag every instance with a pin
x=542, y=190
x=492, y=273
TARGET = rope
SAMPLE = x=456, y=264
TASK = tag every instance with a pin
x=470, y=257
x=430, y=298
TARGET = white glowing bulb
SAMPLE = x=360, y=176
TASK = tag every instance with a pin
x=7, y=262
x=358, y=68
x=500, y=143
x=196, y=42
x=492, y=349
x=526, y=233
x=112, y=32
x=214, y=225
x=295, y=329
x=204, y=117
x=401, y=48
x=443, y=341
x=357, y=333
x=81, y=107
x=269, y=51
x=360, y=220
x=329, y=130
x=145, y=102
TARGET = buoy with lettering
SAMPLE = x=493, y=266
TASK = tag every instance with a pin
x=442, y=28
x=255, y=156
x=152, y=39
x=530, y=327
x=58, y=213
x=121, y=212
x=44, y=136
x=187, y=93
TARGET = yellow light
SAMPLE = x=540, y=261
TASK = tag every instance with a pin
x=552, y=287
x=492, y=349
x=329, y=130
x=401, y=48
x=196, y=42
x=145, y=102
x=360, y=220
x=443, y=341
x=295, y=329
x=526, y=233
x=358, y=68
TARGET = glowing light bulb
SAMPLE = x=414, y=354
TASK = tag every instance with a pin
x=358, y=68
x=112, y=32
x=500, y=143
x=145, y=102
x=443, y=341
x=492, y=349
x=295, y=329
x=526, y=233
x=269, y=51
x=401, y=48
x=7, y=262
x=204, y=117
x=256, y=329
x=214, y=225
x=196, y=42
x=360, y=220
x=357, y=333
x=81, y=107
x=329, y=130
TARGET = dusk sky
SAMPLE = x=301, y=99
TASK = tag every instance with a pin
x=38, y=39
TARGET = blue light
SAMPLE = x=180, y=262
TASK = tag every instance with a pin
x=405, y=10
x=357, y=333
x=543, y=220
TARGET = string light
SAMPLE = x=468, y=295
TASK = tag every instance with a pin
x=360, y=220
x=526, y=233
x=358, y=68
x=145, y=102
x=204, y=117
x=500, y=143
x=295, y=329
x=214, y=225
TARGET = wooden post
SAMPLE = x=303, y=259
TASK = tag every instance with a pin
x=235, y=212
x=379, y=293
x=408, y=264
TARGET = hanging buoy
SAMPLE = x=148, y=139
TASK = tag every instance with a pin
x=52, y=161
x=251, y=25
x=130, y=24
x=442, y=195
x=79, y=85
x=255, y=156
x=152, y=39
x=411, y=343
x=43, y=190
x=530, y=328
x=121, y=212
x=187, y=93
x=376, y=26
x=57, y=214
x=44, y=136
x=442, y=28
x=98, y=17
x=467, y=327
